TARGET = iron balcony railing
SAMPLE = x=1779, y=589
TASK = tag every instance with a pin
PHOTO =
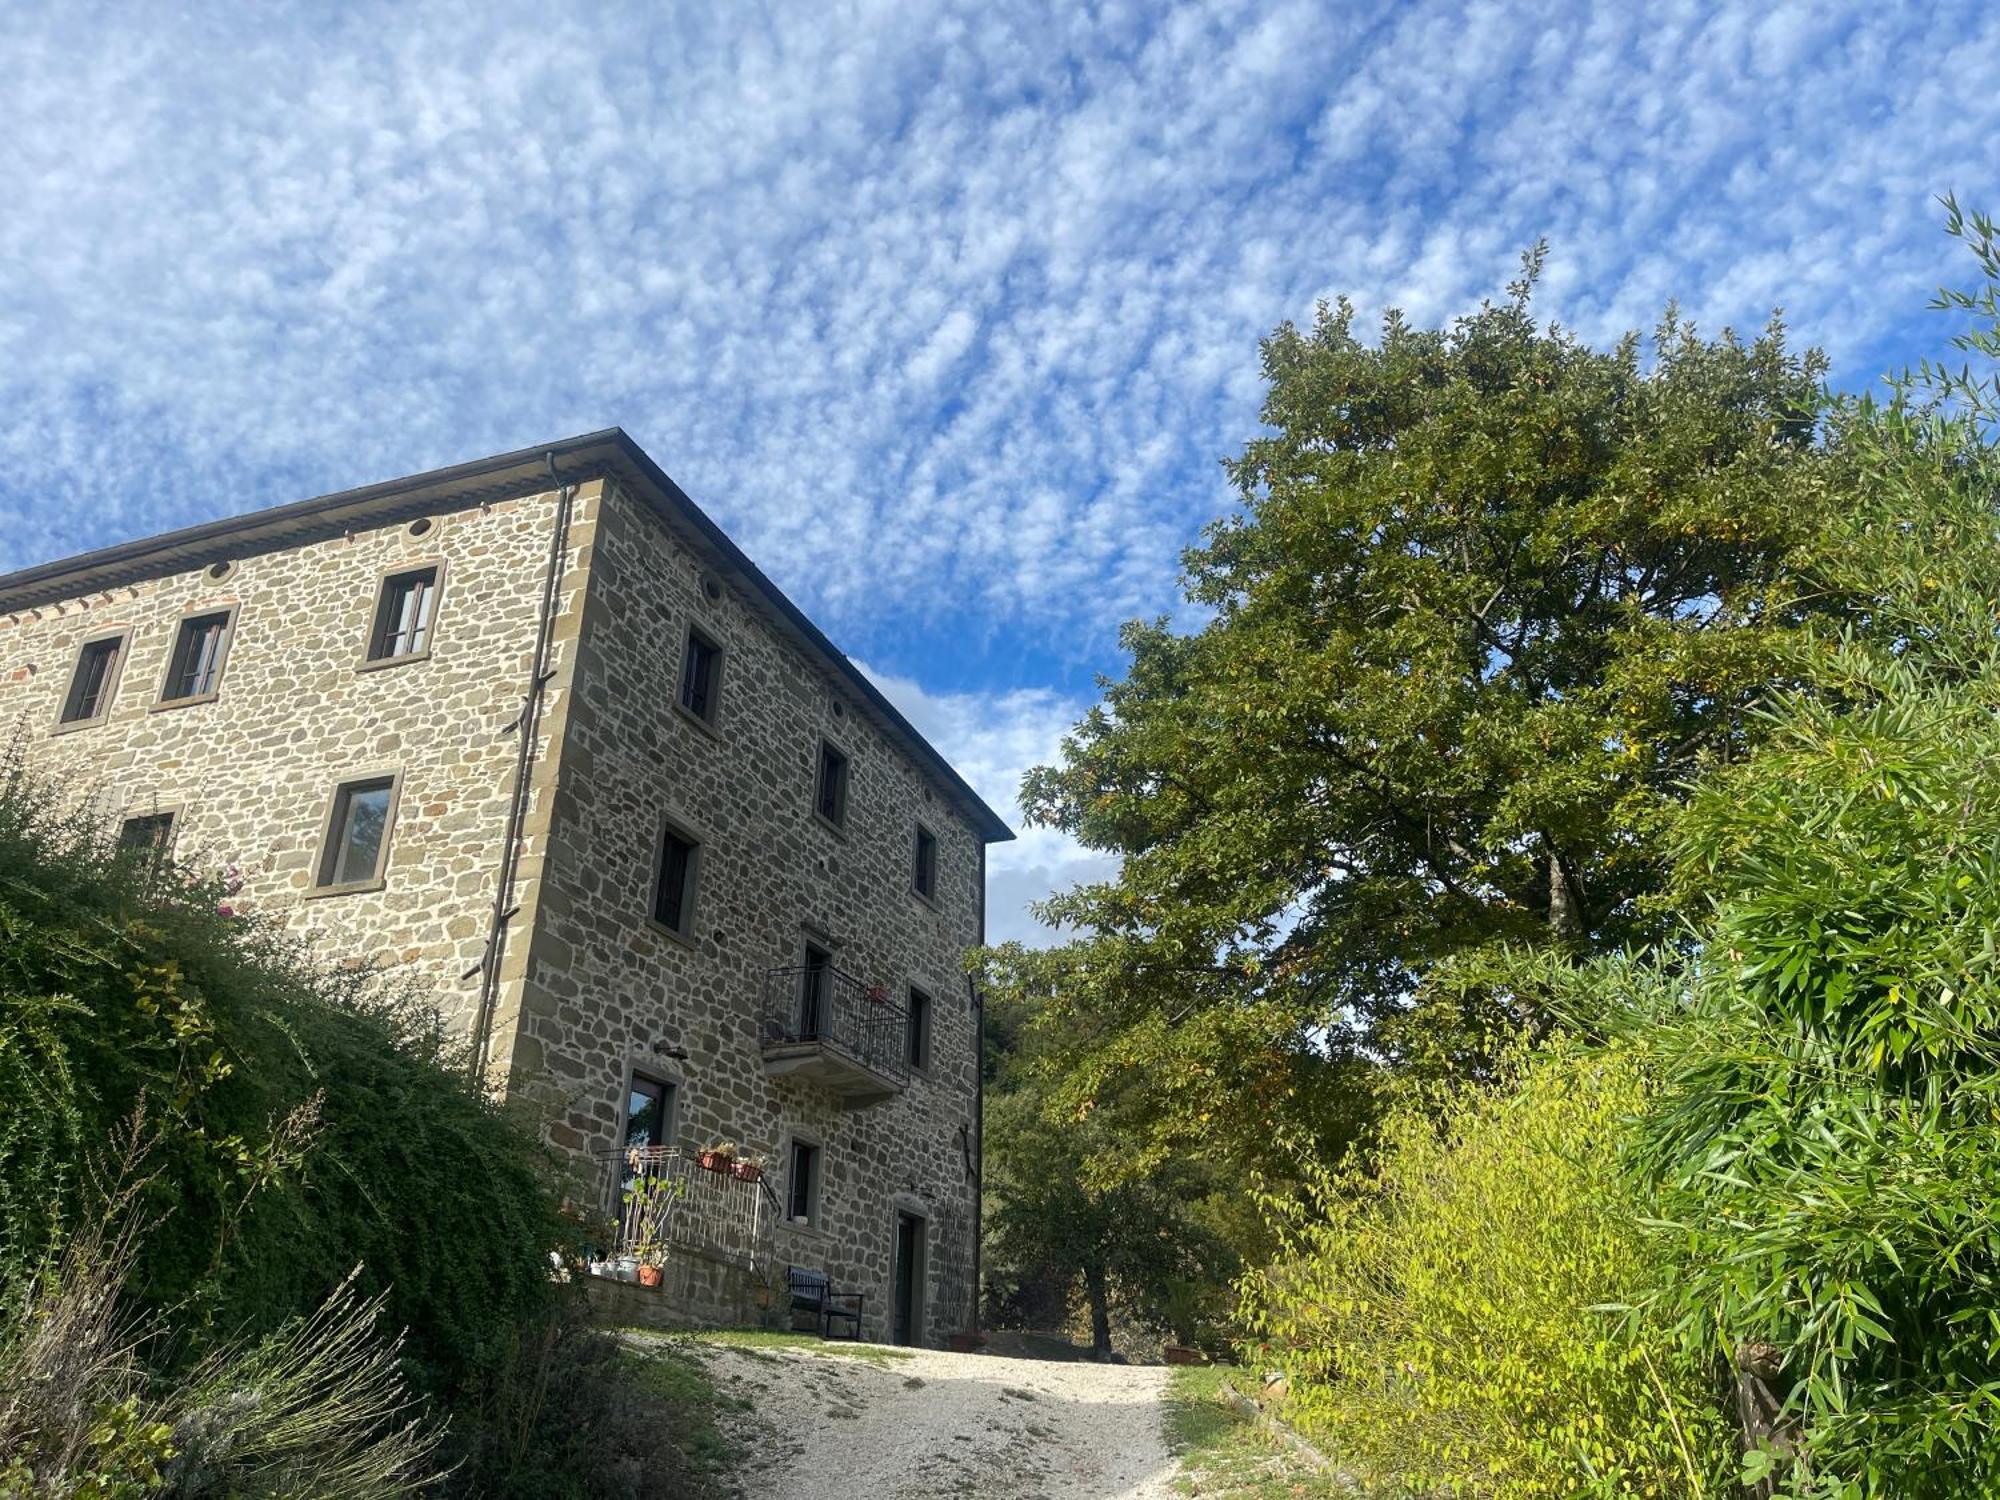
x=662, y=1199
x=817, y=1003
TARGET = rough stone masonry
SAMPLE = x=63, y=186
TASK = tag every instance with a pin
x=589, y=991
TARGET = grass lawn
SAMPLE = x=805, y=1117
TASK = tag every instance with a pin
x=709, y=1426
x=754, y=1340
x=690, y=1407
x=1225, y=1453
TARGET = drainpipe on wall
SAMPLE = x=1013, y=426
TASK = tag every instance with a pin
x=978, y=1109
x=528, y=725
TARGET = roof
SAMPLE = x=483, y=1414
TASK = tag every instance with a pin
x=610, y=453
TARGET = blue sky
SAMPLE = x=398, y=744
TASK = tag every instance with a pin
x=946, y=311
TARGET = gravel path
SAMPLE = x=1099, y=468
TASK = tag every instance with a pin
x=947, y=1425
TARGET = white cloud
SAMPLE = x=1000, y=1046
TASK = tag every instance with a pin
x=994, y=739
x=942, y=307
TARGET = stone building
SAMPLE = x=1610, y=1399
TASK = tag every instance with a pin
x=533, y=732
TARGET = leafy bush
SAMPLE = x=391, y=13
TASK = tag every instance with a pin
x=1825, y=1142
x=306, y=1122
x=1447, y=1323
x=572, y=1414
x=1827, y=1136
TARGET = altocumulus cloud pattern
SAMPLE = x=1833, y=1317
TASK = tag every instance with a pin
x=947, y=311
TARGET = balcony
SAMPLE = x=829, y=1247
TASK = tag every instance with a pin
x=826, y=1026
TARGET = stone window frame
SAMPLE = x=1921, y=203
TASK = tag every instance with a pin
x=371, y=620
x=710, y=722
x=229, y=612
x=924, y=831
x=172, y=811
x=687, y=934
x=816, y=1189
x=119, y=633
x=911, y=989
x=670, y=1079
x=828, y=742
x=330, y=810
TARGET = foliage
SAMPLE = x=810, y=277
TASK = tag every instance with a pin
x=1828, y=1141
x=1446, y=1322
x=1140, y=1244
x=305, y=1122
x=1493, y=598
x=1225, y=1453
x=574, y=1413
x=316, y=1410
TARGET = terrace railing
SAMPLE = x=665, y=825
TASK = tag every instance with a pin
x=816, y=1009
x=663, y=1199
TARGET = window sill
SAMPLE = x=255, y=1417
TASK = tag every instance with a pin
x=838, y=830
x=688, y=940
x=70, y=726
x=166, y=703
x=352, y=888
x=378, y=663
x=930, y=901
x=706, y=726
x=812, y=1231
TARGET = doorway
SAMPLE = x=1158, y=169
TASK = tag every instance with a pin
x=908, y=1301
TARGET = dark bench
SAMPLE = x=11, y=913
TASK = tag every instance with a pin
x=812, y=1291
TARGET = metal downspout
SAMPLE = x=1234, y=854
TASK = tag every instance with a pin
x=528, y=725
x=978, y=1109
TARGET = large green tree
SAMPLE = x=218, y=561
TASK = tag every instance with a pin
x=1492, y=599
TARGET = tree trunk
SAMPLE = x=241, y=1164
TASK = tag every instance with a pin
x=1100, y=1311
x=1565, y=916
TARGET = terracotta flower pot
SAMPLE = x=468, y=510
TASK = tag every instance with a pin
x=714, y=1161
x=747, y=1171
x=649, y=1276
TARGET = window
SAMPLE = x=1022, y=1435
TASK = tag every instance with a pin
x=802, y=1184
x=701, y=676
x=674, y=881
x=923, y=878
x=918, y=1050
x=147, y=836
x=357, y=835
x=94, y=680
x=830, y=793
x=195, y=670
x=649, y=1112
x=403, y=615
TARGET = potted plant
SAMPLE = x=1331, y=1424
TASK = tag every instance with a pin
x=878, y=994
x=651, y=1269
x=748, y=1169
x=721, y=1157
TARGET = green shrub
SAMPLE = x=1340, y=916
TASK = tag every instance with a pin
x=1448, y=1321
x=316, y=1410
x=1826, y=1141
x=304, y=1121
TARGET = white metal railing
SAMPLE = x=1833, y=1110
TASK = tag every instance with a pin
x=663, y=1199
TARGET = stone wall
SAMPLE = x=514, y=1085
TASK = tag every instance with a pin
x=250, y=775
x=609, y=991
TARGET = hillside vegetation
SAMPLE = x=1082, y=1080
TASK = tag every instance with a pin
x=258, y=1234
